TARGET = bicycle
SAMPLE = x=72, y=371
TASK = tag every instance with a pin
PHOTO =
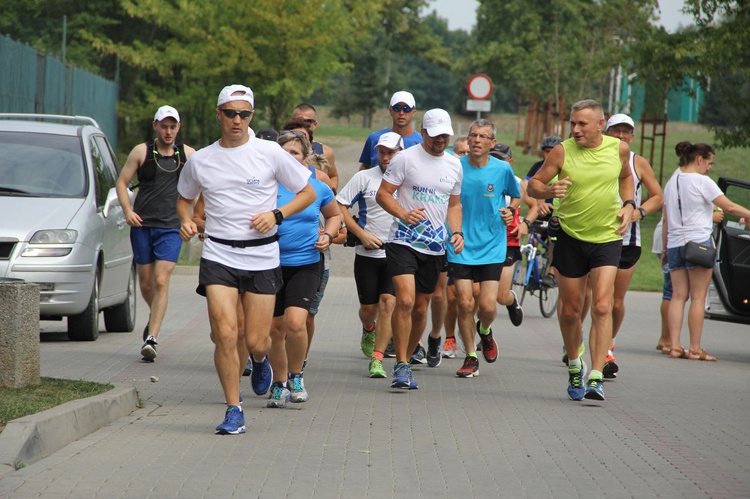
x=531, y=273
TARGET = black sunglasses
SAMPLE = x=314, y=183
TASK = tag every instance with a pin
x=398, y=107
x=296, y=133
x=231, y=113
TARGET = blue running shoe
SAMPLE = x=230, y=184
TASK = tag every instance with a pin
x=576, y=389
x=299, y=394
x=594, y=390
x=248, y=368
x=401, y=376
x=262, y=376
x=412, y=382
x=234, y=422
x=280, y=396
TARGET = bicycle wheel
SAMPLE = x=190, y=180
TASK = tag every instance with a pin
x=548, y=300
x=519, y=274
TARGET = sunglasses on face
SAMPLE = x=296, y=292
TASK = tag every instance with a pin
x=296, y=133
x=231, y=113
x=397, y=108
x=310, y=121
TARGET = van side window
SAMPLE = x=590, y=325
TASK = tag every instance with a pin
x=102, y=178
x=109, y=159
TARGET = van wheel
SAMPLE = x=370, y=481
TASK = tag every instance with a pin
x=121, y=318
x=85, y=326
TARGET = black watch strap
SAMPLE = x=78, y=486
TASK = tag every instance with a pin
x=279, y=216
x=642, y=212
x=631, y=202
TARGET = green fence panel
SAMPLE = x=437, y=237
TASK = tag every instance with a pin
x=96, y=97
x=32, y=82
x=18, y=66
x=54, y=86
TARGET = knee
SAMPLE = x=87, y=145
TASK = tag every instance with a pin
x=601, y=308
x=405, y=303
x=618, y=307
x=569, y=312
x=466, y=306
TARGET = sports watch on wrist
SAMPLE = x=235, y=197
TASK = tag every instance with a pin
x=279, y=216
x=630, y=202
x=642, y=212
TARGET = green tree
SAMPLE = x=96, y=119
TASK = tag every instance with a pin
x=562, y=48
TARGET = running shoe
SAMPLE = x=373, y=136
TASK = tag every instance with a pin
x=515, y=311
x=401, y=376
x=594, y=390
x=433, y=351
x=299, y=394
x=279, y=397
x=576, y=390
x=148, y=350
x=412, y=382
x=450, y=349
x=470, y=369
x=489, y=346
x=234, y=422
x=610, y=365
x=419, y=356
x=390, y=351
x=248, y=368
x=376, y=369
x=367, y=343
x=262, y=376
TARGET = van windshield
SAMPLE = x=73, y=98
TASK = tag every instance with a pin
x=41, y=165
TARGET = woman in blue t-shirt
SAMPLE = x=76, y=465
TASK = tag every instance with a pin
x=301, y=246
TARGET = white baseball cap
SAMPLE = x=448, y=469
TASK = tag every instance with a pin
x=437, y=122
x=243, y=94
x=391, y=140
x=618, y=119
x=405, y=97
x=166, y=112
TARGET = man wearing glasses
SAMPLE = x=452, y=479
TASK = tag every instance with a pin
x=239, y=177
x=402, y=110
x=486, y=183
x=154, y=223
x=427, y=184
x=306, y=112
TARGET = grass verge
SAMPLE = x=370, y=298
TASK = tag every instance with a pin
x=19, y=402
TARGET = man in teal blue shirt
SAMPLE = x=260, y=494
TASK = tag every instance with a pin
x=487, y=181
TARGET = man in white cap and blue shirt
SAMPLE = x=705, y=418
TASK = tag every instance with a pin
x=153, y=220
x=402, y=110
x=427, y=184
x=238, y=176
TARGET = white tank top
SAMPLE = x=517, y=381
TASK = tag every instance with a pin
x=633, y=236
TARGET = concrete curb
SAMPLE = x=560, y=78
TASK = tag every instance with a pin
x=26, y=440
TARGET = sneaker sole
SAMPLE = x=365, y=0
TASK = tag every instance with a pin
x=451, y=355
x=593, y=395
x=148, y=354
x=378, y=375
x=239, y=430
x=299, y=400
x=277, y=404
x=400, y=384
x=434, y=363
x=467, y=375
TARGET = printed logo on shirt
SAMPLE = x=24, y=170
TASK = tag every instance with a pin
x=428, y=195
x=252, y=181
x=447, y=180
x=490, y=187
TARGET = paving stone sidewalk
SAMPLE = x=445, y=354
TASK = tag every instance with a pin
x=669, y=428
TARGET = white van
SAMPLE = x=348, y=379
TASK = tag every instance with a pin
x=61, y=225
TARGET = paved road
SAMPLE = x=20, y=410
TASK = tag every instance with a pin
x=669, y=428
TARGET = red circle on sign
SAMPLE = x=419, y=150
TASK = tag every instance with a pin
x=479, y=87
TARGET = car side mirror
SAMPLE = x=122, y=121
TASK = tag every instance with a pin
x=111, y=202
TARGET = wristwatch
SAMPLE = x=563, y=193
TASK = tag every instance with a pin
x=642, y=212
x=630, y=202
x=279, y=216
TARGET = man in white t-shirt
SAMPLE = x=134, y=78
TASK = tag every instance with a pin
x=427, y=184
x=239, y=176
x=374, y=284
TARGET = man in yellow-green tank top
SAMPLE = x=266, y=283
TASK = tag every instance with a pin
x=593, y=177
